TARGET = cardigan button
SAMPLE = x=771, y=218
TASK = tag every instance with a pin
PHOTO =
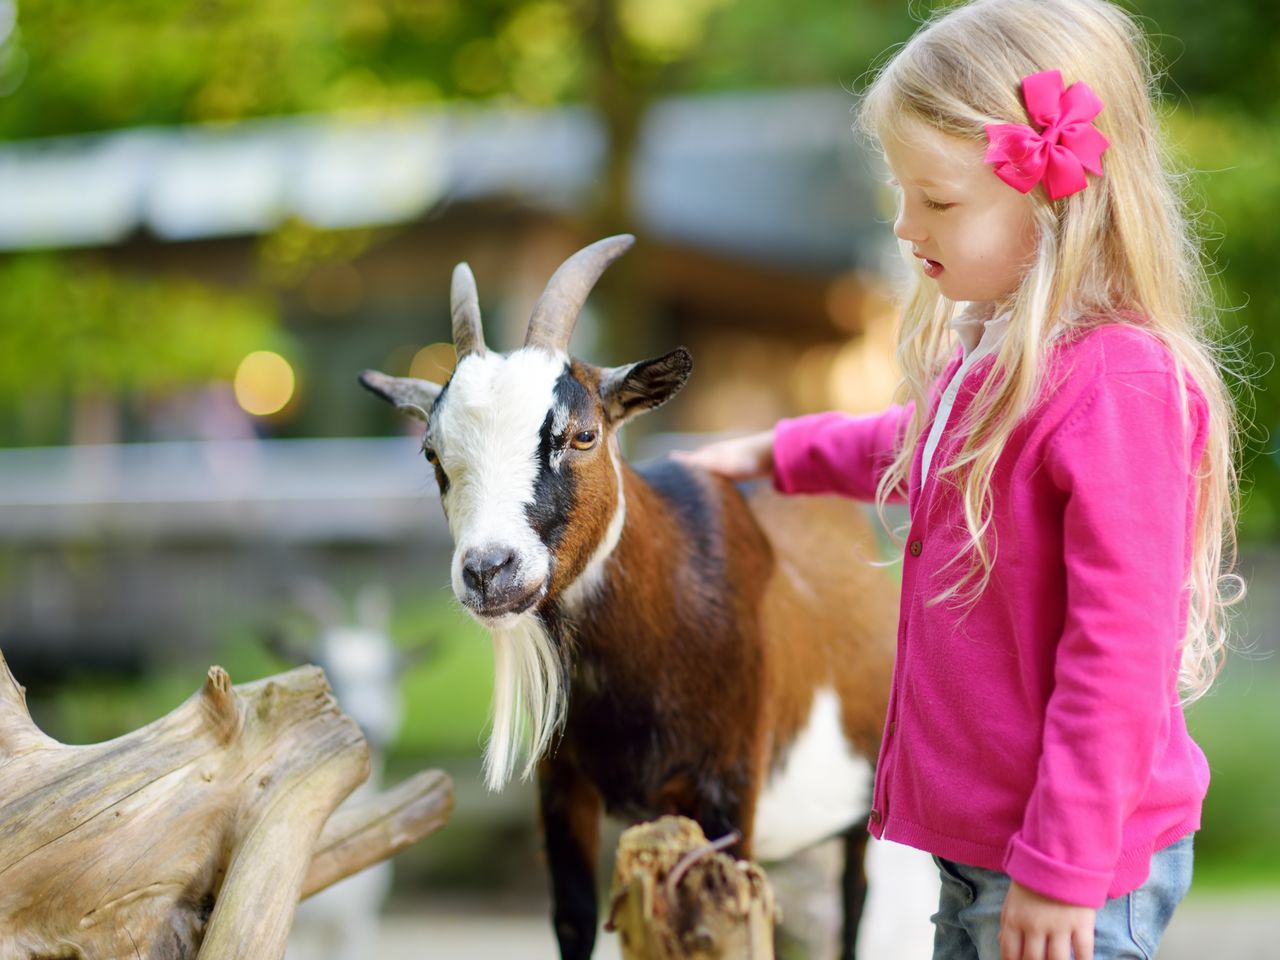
x=875, y=816
x=915, y=548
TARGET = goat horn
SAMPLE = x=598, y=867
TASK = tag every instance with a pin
x=468, y=336
x=556, y=311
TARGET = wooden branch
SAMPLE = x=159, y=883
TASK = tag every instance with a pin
x=676, y=897
x=193, y=836
x=383, y=825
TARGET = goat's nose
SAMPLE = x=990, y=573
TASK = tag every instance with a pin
x=482, y=567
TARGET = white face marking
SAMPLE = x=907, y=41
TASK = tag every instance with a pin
x=487, y=436
x=821, y=789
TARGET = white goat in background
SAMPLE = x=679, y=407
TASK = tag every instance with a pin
x=363, y=667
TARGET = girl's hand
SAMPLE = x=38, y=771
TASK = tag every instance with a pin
x=741, y=458
x=1034, y=927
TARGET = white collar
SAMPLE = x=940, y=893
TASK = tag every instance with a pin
x=982, y=335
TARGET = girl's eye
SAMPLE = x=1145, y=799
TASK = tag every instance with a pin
x=584, y=440
x=937, y=205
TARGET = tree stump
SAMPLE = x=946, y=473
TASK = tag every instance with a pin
x=676, y=897
x=196, y=835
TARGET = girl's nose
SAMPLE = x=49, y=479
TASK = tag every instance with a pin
x=906, y=228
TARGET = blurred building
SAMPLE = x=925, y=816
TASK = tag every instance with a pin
x=759, y=248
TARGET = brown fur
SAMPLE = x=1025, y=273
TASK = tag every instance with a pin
x=805, y=610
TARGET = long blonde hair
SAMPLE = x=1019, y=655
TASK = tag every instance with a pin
x=1122, y=250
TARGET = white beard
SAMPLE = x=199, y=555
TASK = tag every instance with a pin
x=529, y=700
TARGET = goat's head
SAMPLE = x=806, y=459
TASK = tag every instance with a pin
x=523, y=444
x=525, y=453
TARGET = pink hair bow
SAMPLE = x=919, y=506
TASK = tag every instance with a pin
x=1066, y=146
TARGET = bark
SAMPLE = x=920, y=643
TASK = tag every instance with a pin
x=195, y=836
x=675, y=897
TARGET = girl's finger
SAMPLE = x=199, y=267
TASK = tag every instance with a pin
x=1010, y=943
x=1033, y=947
x=1059, y=946
x=1082, y=940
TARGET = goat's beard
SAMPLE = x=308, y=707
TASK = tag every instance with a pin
x=529, y=700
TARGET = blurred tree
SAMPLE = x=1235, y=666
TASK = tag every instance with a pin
x=74, y=339
x=1235, y=158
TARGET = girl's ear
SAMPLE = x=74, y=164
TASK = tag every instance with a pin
x=411, y=397
x=641, y=386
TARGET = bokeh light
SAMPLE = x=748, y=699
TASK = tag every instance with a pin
x=264, y=383
x=433, y=362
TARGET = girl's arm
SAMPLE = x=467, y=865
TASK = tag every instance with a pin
x=1126, y=462
x=741, y=458
x=838, y=453
x=822, y=453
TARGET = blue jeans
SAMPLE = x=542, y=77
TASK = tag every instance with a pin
x=1128, y=928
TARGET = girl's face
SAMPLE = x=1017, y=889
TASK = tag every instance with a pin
x=974, y=234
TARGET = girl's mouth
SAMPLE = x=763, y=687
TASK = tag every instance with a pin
x=932, y=269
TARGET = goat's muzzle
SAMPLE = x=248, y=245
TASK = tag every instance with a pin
x=494, y=585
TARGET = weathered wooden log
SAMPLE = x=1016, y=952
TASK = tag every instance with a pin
x=676, y=897
x=195, y=836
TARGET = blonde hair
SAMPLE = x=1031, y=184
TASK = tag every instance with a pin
x=1121, y=250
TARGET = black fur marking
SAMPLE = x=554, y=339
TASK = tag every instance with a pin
x=554, y=490
x=442, y=479
x=439, y=404
x=699, y=516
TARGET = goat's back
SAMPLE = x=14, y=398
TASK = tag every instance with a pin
x=829, y=616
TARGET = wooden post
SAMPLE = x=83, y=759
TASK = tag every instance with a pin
x=676, y=897
x=196, y=835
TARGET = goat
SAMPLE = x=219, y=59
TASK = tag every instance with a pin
x=663, y=642
x=363, y=667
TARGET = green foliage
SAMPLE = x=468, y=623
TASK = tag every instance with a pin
x=220, y=61
x=1238, y=726
x=87, y=329
x=1235, y=159
x=71, y=330
x=447, y=696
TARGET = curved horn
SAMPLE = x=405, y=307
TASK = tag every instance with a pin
x=556, y=311
x=468, y=337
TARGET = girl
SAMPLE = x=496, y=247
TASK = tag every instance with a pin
x=1065, y=452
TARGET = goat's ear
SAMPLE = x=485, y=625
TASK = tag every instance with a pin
x=641, y=386
x=411, y=397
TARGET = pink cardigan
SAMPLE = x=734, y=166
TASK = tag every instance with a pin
x=1041, y=734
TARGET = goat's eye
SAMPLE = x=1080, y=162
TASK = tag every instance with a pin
x=584, y=440
x=430, y=454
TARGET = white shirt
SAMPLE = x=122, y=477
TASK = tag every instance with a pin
x=978, y=339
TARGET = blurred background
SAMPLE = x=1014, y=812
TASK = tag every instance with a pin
x=214, y=214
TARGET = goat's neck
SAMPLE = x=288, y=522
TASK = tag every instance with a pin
x=634, y=597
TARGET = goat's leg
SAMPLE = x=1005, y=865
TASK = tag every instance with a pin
x=571, y=810
x=853, y=888
x=720, y=802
